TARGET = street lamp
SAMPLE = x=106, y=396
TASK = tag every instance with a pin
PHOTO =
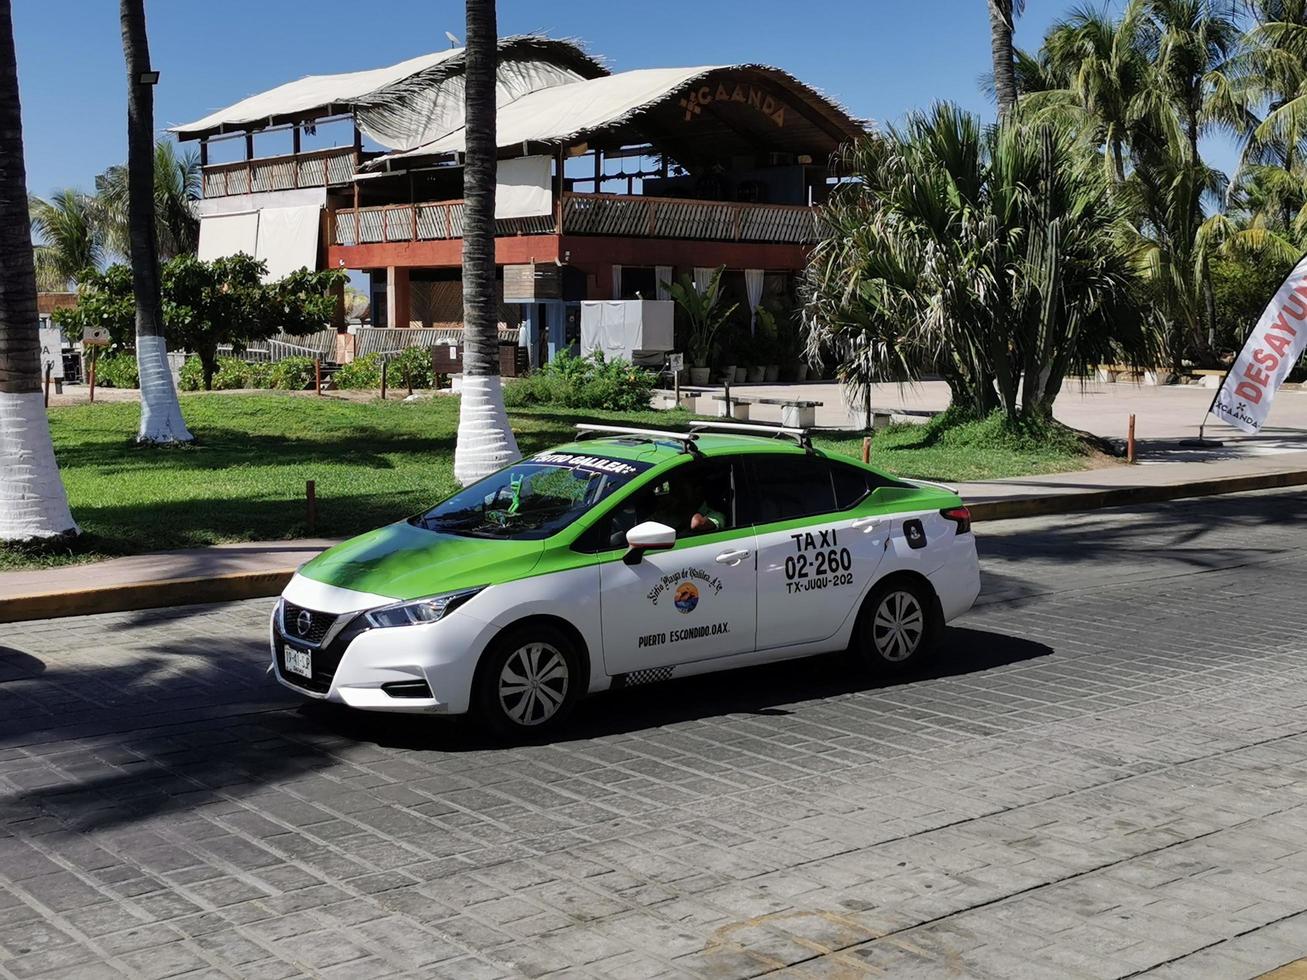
x=147, y=78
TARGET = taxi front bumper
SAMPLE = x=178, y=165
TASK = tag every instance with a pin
x=426, y=668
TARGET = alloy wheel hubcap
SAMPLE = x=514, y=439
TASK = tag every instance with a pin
x=898, y=626
x=533, y=684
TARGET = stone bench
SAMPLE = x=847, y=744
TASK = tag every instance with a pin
x=796, y=413
x=733, y=406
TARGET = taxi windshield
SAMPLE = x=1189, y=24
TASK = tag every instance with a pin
x=530, y=500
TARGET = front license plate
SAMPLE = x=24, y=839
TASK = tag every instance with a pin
x=299, y=662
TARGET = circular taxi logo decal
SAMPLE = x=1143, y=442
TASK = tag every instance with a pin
x=687, y=597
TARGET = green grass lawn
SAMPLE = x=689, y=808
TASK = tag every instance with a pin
x=373, y=462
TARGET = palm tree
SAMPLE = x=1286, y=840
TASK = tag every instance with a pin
x=33, y=504
x=71, y=241
x=485, y=440
x=1103, y=65
x=161, y=414
x=1002, y=15
x=177, y=186
x=996, y=258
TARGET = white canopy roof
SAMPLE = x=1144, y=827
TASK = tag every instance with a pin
x=565, y=111
x=395, y=87
x=313, y=92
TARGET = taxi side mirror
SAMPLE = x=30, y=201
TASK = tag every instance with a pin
x=649, y=536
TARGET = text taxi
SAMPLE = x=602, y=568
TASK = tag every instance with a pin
x=626, y=557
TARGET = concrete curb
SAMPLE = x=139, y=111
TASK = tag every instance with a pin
x=264, y=584
x=145, y=595
x=1083, y=500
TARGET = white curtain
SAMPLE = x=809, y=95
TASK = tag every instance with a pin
x=753, y=289
x=288, y=240
x=226, y=234
x=702, y=278
x=617, y=282
x=663, y=273
x=523, y=187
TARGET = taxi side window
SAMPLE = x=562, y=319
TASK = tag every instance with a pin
x=790, y=486
x=696, y=498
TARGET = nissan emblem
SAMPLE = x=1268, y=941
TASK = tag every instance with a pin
x=304, y=622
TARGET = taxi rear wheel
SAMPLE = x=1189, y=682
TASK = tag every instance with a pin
x=899, y=625
x=529, y=682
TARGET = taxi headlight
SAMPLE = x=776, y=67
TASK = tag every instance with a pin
x=428, y=610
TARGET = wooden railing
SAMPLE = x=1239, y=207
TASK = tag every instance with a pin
x=620, y=216
x=420, y=222
x=635, y=216
x=316, y=169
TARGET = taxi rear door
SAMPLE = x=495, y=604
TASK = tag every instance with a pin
x=815, y=560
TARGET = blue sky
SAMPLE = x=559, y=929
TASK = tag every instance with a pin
x=880, y=58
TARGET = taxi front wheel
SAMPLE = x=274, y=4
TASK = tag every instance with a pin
x=899, y=625
x=529, y=683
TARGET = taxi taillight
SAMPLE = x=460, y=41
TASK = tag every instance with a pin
x=960, y=516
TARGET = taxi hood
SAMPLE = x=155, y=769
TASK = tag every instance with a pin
x=406, y=562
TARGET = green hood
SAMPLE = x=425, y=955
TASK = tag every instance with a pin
x=406, y=562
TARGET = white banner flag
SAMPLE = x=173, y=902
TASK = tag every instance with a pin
x=1267, y=357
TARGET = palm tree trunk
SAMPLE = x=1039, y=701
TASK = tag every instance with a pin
x=485, y=441
x=1000, y=47
x=32, y=499
x=161, y=414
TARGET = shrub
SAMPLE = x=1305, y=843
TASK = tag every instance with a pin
x=360, y=373
x=117, y=371
x=583, y=382
x=232, y=373
x=416, y=361
x=292, y=374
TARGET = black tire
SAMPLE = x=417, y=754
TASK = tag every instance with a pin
x=517, y=705
x=899, y=626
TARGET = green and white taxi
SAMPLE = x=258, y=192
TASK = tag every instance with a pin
x=626, y=557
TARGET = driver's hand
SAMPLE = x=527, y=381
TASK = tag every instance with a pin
x=698, y=522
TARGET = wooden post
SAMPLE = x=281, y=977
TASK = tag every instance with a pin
x=1130, y=441
x=94, y=351
x=49, y=371
x=385, y=363
x=311, y=505
x=866, y=449
x=317, y=375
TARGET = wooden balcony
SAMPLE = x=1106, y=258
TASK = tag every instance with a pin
x=620, y=216
x=319, y=168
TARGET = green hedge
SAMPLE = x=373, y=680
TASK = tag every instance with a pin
x=117, y=371
x=584, y=382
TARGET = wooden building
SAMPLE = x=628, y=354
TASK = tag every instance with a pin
x=609, y=184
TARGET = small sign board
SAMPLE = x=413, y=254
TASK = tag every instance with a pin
x=95, y=337
x=52, y=343
x=531, y=282
x=676, y=362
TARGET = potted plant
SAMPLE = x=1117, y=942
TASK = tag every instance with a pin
x=705, y=313
x=769, y=344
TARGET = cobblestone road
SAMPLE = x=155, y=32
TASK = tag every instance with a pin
x=1105, y=774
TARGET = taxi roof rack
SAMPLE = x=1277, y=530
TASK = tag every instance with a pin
x=589, y=430
x=800, y=436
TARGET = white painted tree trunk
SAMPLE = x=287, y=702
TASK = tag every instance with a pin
x=32, y=500
x=485, y=441
x=161, y=413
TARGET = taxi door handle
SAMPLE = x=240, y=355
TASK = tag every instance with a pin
x=732, y=557
x=865, y=524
